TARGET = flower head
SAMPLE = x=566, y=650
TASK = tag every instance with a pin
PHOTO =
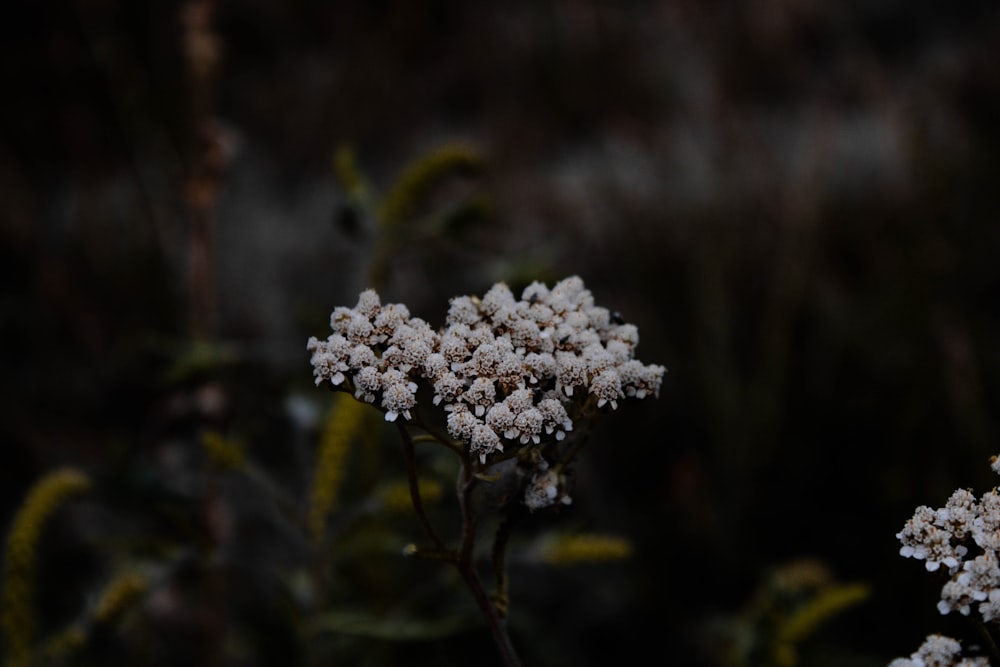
x=963, y=537
x=511, y=373
x=939, y=651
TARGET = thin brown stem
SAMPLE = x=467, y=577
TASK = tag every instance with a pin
x=467, y=481
x=411, y=477
x=440, y=438
x=498, y=627
x=499, y=554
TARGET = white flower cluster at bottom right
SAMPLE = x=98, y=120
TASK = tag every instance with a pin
x=939, y=651
x=964, y=537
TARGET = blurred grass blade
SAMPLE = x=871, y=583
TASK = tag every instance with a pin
x=389, y=628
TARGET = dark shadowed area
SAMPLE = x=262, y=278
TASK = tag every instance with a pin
x=795, y=201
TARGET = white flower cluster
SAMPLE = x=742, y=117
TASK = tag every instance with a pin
x=547, y=487
x=939, y=651
x=505, y=369
x=944, y=536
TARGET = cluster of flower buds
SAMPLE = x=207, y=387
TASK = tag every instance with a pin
x=964, y=537
x=509, y=372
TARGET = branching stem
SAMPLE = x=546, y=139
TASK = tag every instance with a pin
x=467, y=481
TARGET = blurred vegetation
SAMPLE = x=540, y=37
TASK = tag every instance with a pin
x=795, y=203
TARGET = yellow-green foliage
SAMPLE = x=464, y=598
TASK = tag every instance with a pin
x=807, y=618
x=222, y=453
x=18, y=615
x=396, y=497
x=345, y=167
x=120, y=593
x=344, y=422
x=791, y=606
x=586, y=548
x=420, y=178
x=64, y=646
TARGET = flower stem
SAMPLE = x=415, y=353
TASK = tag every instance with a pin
x=411, y=477
x=990, y=642
x=512, y=513
x=498, y=627
x=463, y=559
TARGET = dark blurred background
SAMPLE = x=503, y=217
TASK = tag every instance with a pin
x=795, y=201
